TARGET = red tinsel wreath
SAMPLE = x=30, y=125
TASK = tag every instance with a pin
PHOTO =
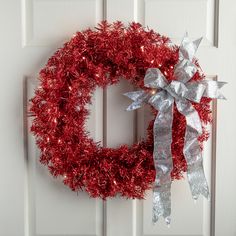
x=100, y=57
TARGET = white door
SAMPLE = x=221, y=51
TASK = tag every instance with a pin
x=32, y=203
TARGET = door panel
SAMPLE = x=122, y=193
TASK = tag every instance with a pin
x=52, y=208
x=188, y=218
x=50, y=22
x=172, y=18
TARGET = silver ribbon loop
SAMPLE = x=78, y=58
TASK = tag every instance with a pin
x=184, y=70
x=155, y=79
x=195, y=91
x=182, y=92
x=161, y=101
x=188, y=48
x=138, y=97
x=213, y=89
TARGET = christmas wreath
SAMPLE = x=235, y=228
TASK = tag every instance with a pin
x=166, y=76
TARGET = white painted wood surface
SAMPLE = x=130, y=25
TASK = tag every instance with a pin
x=32, y=203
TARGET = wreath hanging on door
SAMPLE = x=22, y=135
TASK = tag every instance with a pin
x=167, y=77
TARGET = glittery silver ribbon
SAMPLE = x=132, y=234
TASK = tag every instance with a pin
x=162, y=98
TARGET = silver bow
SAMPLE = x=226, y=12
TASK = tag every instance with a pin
x=162, y=98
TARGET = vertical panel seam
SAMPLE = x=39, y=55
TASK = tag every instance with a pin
x=213, y=168
x=216, y=23
x=26, y=158
x=104, y=118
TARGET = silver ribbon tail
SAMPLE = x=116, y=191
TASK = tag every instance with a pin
x=192, y=152
x=162, y=134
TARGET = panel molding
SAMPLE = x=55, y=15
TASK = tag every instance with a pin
x=31, y=161
x=29, y=39
x=139, y=8
x=213, y=162
x=211, y=24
